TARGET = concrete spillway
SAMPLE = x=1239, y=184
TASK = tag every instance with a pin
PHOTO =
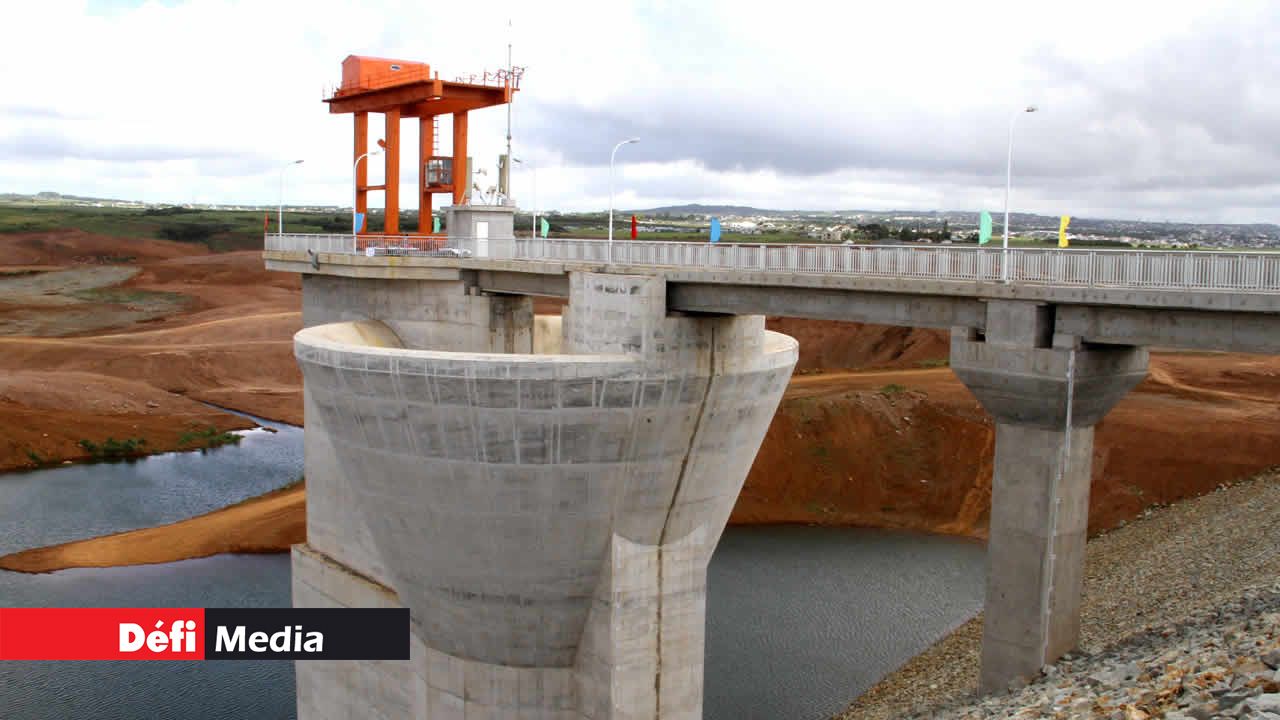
x=547, y=516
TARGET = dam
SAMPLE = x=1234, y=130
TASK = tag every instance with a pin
x=544, y=493
x=443, y=477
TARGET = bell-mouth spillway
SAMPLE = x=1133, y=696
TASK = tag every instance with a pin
x=493, y=484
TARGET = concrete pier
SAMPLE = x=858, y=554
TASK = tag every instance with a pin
x=546, y=516
x=1046, y=392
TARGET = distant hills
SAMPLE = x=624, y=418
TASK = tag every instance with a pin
x=956, y=218
x=962, y=217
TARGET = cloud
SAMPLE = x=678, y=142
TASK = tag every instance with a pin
x=1145, y=107
x=38, y=145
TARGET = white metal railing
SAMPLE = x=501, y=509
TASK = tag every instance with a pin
x=1150, y=269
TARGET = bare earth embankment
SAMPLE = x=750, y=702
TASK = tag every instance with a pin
x=126, y=339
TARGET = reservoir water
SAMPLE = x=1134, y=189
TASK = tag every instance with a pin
x=800, y=620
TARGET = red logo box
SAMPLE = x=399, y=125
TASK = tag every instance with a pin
x=101, y=633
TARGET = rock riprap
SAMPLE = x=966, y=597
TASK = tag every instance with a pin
x=1221, y=663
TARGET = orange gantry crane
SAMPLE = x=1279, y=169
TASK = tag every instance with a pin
x=404, y=89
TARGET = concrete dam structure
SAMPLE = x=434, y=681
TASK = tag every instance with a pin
x=543, y=494
x=1047, y=352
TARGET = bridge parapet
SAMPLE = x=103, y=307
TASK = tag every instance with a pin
x=1255, y=272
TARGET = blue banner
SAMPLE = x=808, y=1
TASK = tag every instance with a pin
x=359, y=223
x=715, y=229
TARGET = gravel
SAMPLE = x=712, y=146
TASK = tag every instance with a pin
x=1172, y=564
x=1209, y=665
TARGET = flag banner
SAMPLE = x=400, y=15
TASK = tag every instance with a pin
x=546, y=227
x=359, y=223
x=204, y=634
x=984, y=228
x=266, y=221
x=1062, y=230
x=435, y=224
x=634, y=227
x=715, y=229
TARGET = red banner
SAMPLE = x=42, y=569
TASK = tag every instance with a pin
x=204, y=634
x=101, y=633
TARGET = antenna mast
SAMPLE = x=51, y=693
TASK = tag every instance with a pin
x=510, y=76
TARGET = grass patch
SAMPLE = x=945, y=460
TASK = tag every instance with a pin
x=35, y=457
x=129, y=296
x=112, y=449
x=934, y=363
x=219, y=230
x=206, y=438
x=892, y=389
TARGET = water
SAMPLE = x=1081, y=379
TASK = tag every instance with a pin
x=802, y=620
x=209, y=690
x=70, y=502
x=799, y=620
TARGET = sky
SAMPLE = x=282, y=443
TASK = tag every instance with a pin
x=1153, y=111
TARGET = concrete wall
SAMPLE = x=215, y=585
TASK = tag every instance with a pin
x=423, y=313
x=537, y=511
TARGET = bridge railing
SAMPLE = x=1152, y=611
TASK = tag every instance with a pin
x=1151, y=269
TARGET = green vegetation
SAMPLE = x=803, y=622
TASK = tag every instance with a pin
x=35, y=457
x=209, y=437
x=112, y=449
x=892, y=389
x=219, y=230
x=934, y=363
x=130, y=296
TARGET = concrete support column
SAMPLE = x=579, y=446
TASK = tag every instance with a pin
x=1046, y=393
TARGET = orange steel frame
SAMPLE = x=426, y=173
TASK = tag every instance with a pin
x=413, y=94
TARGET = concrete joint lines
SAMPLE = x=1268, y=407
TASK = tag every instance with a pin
x=542, y=493
x=1046, y=391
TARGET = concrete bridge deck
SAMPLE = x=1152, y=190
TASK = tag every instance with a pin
x=1195, y=300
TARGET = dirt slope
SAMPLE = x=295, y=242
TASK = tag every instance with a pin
x=913, y=449
x=130, y=359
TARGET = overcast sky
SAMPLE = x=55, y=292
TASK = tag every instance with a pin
x=1157, y=111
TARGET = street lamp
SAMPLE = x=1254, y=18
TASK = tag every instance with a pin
x=1008, y=182
x=280, y=211
x=534, y=234
x=355, y=198
x=628, y=141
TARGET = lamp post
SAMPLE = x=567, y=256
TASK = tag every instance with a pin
x=355, y=196
x=628, y=141
x=1008, y=183
x=280, y=210
x=534, y=168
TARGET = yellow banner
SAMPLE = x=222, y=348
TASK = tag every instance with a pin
x=1062, y=230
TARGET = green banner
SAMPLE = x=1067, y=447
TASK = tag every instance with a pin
x=984, y=228
x=546, y=227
